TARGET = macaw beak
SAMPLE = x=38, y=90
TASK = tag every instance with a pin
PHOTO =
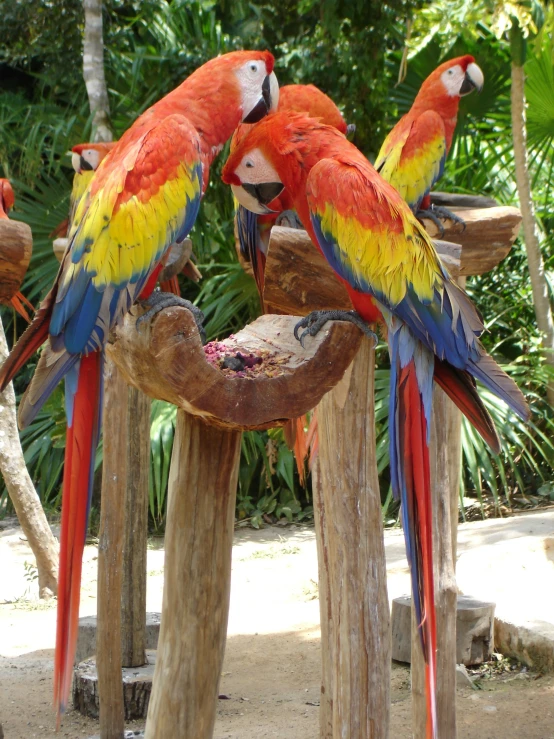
x=473, y=80
x=80, y=164
x=268, y=101
x=85, y=166
x=257, y=197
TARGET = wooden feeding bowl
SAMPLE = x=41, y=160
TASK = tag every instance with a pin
x=280, y=380
x=16, y=247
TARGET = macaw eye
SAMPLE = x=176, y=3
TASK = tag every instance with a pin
x=249, y=163
x=253, y=67
x=450, y=72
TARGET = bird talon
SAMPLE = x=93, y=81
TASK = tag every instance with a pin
x=158, y=301
x=314, y=322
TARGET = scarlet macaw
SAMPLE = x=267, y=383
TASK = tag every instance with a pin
x=253, y=230
x=86, y=159
x=412, y=156
x=380, y=252
x=144, y=196
x=7, y=201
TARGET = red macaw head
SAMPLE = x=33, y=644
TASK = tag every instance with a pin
x=306, y=99
x=87, y=157
x=7, y=198
x=312, y=101
x=455, y=78
x=247, y=80
x=266, y=160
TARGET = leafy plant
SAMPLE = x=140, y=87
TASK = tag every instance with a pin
x=162, y=432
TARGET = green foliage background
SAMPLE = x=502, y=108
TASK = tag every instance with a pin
x=350, y=50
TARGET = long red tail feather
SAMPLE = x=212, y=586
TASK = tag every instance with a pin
x=171, y=286
x=410, y=458
x=296, y=438
x=79, y=459
x=19, y=301
x=460, y=388
x=33, y=337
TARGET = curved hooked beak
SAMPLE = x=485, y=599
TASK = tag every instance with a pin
x=257, y=197
x=268, y=101
x=80, y=164
x=473, y=80
x=85, y=166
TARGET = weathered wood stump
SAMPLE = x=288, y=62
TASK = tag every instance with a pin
x=110, y=554
x=16, y=247
x=275, y=379
x=135, y=542
x=474, y=630
x=355, y=632
x=137, y=687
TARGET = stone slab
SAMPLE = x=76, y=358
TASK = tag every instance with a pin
x=474, y=630
x=86, y=638
x=532, y=643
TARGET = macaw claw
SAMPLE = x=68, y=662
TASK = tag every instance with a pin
x=314, y=322
x=289, y=219
x=159, y=300
x=439, y=211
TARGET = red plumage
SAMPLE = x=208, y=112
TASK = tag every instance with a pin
x=81, y=440
x=412, y=156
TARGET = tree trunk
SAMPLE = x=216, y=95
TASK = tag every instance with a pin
x=354, y=606
x=197, y=584
x=110, y=554
x=93, y=71
x=22, y=492
x=135, y=531
x=539, y=284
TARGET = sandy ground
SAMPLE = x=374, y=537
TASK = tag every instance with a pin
x=271, y=673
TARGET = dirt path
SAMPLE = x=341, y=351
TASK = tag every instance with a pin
x=272, y=664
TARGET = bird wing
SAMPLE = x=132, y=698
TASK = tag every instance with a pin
x=81, y=183
x=142, y=198
x=412, y=156
x=375, y=243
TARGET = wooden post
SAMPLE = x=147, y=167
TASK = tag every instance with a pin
x=352, y=573
x=135, y=532
x=198, y=544
x=110, y=554
x=322, y=528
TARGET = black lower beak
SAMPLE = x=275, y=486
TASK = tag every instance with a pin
x=265, y=192
x=467, y=85
x=263, y=105
x=84, y=165
x=266, y=91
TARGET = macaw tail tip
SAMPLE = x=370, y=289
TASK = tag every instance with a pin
x=85, y=394
x=18, y=302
